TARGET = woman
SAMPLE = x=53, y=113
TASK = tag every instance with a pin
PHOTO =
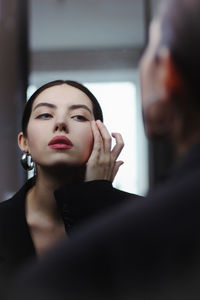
x=62, y=131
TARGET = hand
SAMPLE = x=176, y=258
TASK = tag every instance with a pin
x=102, y=163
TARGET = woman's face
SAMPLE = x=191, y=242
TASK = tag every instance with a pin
x=59, y=130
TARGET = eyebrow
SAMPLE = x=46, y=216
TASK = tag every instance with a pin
x=72, y=107
x=44, y=104
x=75, y=106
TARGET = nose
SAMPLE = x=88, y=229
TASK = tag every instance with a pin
x=61, y=125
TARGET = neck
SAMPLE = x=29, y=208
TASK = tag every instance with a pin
x=41, y=196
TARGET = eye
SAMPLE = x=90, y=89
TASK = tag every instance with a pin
x=80, y=118
x=44, y=116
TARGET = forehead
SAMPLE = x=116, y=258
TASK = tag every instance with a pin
x=64, y=94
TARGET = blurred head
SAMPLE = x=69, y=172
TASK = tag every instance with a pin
x=57, y=124
x=170, y=69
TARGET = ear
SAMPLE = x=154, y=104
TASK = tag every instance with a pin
x=23, y=142
x=169, y=74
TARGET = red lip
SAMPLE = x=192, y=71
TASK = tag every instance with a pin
x=60, y=142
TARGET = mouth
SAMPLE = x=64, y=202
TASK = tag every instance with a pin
x=60, y=142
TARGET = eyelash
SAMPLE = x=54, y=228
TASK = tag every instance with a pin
x=81, y=118
x=44, y=116
x=48, y=116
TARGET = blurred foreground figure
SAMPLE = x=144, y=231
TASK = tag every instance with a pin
x=146, y=249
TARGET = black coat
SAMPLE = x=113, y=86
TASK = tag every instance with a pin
x=147, y=249
x=77, y=203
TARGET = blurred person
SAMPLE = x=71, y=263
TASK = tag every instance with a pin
x=63, y=133
x=147, y=249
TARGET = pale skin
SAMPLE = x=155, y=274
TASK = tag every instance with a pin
x=102, y=163
x=57, y=116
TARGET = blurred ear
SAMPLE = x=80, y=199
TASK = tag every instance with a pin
x=169, y=74
x=23, y=143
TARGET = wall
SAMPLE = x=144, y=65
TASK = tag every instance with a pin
x=13, y=74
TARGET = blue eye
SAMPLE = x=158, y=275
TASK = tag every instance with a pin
x=80, y=118
x=44, y=116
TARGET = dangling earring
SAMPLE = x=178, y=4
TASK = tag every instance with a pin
x=25, y=162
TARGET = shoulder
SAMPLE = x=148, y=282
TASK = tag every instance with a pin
x=6, y=207
x=12, y=208
x=8, y=224
x=13, y=226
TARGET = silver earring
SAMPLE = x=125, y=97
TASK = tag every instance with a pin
x=26, y=164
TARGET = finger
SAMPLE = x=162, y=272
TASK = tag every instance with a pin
x=107, y=140
x=117, y=165
x=118, y=147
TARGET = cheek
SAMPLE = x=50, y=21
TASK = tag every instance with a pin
x=34, y=141
x=149, y=91
x=88, y=138
x=86, y=141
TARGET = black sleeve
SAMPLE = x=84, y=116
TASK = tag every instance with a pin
x=78, y=202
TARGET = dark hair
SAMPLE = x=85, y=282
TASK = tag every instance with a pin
x=28, y=107
x=180, y=32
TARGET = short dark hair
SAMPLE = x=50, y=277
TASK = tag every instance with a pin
x=180, y=32
x=98, y=115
